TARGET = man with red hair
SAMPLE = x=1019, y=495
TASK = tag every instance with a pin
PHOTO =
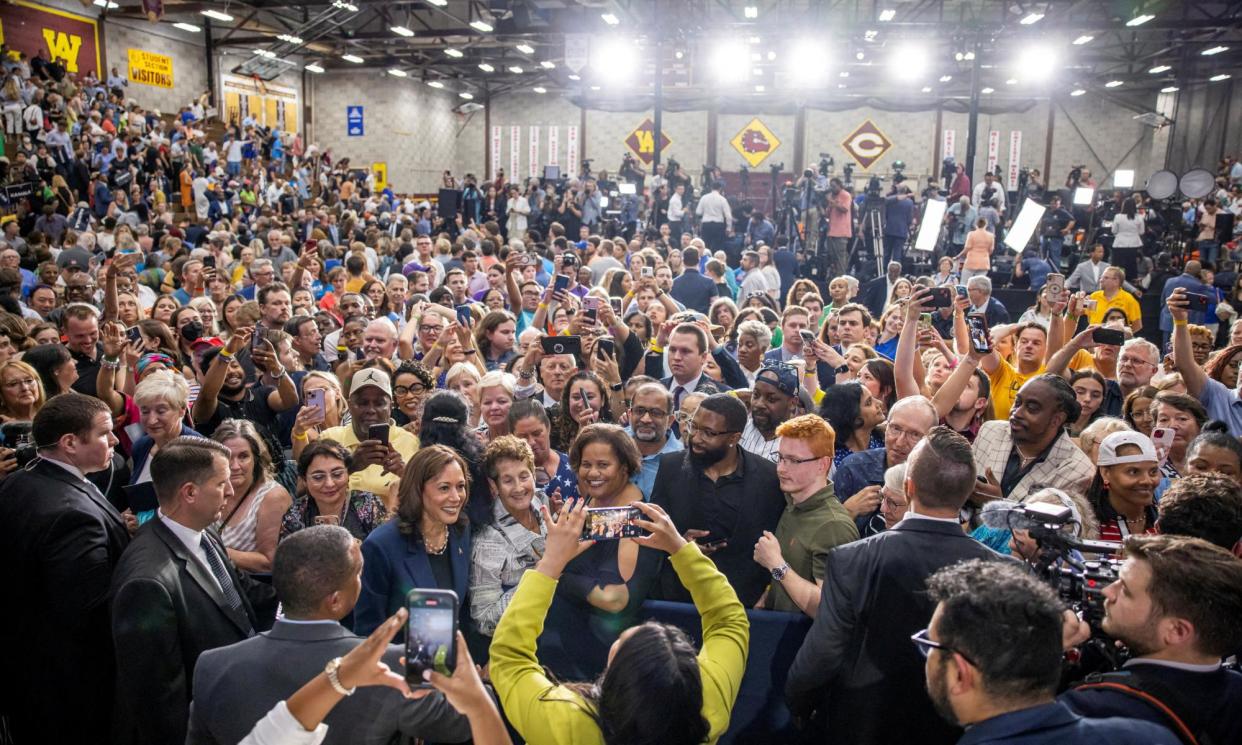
x=814, y=521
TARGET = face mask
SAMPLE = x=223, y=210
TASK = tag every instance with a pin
x=192, y=331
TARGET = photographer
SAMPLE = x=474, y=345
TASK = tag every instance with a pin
x=988, y=190
x=993, y=661
x=1055, y=226
x=589, y=204
x=569, y=213
x=1176, y=605
x=899, y=218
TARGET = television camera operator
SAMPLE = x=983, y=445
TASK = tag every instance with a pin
x=1176, y=605
x=812, y=190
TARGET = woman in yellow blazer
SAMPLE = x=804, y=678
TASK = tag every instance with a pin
x=655, y=689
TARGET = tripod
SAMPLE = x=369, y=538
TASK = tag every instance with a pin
x=870, y=226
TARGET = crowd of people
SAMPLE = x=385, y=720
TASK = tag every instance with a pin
x=239, y=427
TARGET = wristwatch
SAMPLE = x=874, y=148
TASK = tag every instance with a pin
x=330, y=670
x=779, y=573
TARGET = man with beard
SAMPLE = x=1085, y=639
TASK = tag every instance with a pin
x=722, y=496
x=651, y=411
x=377, y=466
x=225, y=394
x=772, y=400
x=859, y=478
x=993, y=662
x=1032, y=450
x=814, y=522
x=1176, y=605
x=856, y=660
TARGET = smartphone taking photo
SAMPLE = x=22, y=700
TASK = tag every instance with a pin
x=980, y=341
x=611, y=523
x=430, y=635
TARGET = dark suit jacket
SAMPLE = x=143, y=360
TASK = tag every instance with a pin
x=730, y=370
x=394, y=564
x=167, y=610
x=694, y=290
x=873, y=295
x=858, y=658
x=59, y=545
x=235, y=687
x=996, y=313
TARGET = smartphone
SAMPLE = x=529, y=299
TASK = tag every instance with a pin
x=256, y=338
x=941, y=297
x=647, y=272
x=977, y=324
x=925, y=321
x=464, y=316
x=430, y=634
x=615, y=302
x=808, y=337
x=605, y=347
x=1197, y=302
x=209, y=262
x=561, y=284
x=378, y=432
x=561, y=344
x=133, y=333
x=961, y=292
x=327, y=520
x=586, y=402
x=1162, y=438
x=1112, y=337
x=1090, y=304
x=590, y=308
x=611, y=523
x=1056, y=287
x=316, y=399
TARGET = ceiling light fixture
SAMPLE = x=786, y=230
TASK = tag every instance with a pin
x=454, y=53
x=1214, y=50
x=575, y=77
x=525, y=48
x=986, y=91
x=401, y=31
x=1139, y=20
x=1159, y=69
x=610, y=19
x=397, y=73
x=1084, y=39
x=759, y=89
x=539, y=89
x=1113, y=84
x=312, y=67
x=887, y=15
x=1218, y=78
x=466, y=95
x=751, y=11
x=968, y=56
x=352, y=58
x=438, y=3
x=1170, y=89
x=485, y=67
x=290, y=38
x=265, y=54
x=1031, y=18
x=342, y=5
x=1011, y=81
x=1078, y=92
x=435, y=84
x=217, y=15
x=870, y=35
x=548, y=64
x=481, y=26
x=945, y=78
x=187, y=27
x=927, y=89
x=515, y=69
x=108, y=4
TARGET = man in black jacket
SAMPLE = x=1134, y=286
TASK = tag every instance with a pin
x=317, y=575
x=857, y=662
x=688, y=346
x=60, y=541
x=176, y=594
x=722, y=496
x=692, y=289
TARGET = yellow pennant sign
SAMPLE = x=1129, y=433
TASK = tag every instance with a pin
x=149, y=68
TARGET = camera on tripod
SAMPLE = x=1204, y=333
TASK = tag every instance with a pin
x=826, y=164
x=899, y=166
x=875, y=186
x=948, y=169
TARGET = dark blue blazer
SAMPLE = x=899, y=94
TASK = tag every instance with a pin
x=694, y=290
x=394, y=564
x=1055, y=724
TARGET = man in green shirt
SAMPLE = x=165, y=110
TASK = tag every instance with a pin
x=814, y=522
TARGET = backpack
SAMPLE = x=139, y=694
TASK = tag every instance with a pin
x=1177, y=712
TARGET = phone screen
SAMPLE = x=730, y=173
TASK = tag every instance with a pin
x=430, y=634
x=562, y=283
x=463, y=315
x=133, y=333
x=378, y=432
x=979, y=340
x=611, y=523
x=315, y=400
x=1056, y=287
x=256, y=339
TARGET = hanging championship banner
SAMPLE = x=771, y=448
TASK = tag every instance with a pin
x=532, y=168
x=571, y=149
x=149, y=68
x=515, y=154
x=1015, y=160
x=993, y=150
x=948, y=144
x=554, y=145
x=496, y=136
x=755, y=142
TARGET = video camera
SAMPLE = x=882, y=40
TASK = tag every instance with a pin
x=826, y=164
x=898, y=167
x=948, y=169
x=875, y=186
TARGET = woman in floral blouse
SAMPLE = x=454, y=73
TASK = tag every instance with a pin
x=323, y=467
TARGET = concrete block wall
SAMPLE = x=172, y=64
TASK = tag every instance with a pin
x=186, y=51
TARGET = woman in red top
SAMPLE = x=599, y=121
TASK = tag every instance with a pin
x=1123, y=494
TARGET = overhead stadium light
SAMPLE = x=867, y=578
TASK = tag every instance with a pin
x=729, y=61
x=525, y=48
x=485, y=67
x=751, y=11
x=1214, y=50
x=435, y=84
x=312, y=67
x=352, y=58
x=1139, y=20
x=1159, y=69
x=887, y=15
x=908, y=61
x=217, y=15
x=187, y=27
x=610, y=19
x=481, y=26
x=397, y=73
x=454, y=53
x=548, y=64
x=402, y=31
x=807, y=63
x=1031, y=18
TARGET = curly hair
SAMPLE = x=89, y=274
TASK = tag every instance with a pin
x=507, y=447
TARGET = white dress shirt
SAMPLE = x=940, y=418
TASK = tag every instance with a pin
x=192, y=540
x=713, y=207
x=675, y=210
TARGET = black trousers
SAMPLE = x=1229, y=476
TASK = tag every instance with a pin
x=713, y=235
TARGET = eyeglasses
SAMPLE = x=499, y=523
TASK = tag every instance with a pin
x=430, y=329
x=791, y=461
x=318, y=478
x=926, y=644
x=891, y=503
x=23, y=383
x=405, y=390
x=692, y=427
x=641, y=411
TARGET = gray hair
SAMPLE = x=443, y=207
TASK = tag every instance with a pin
x=920, y=401
x=981, y=282
x=1151, y=350
x=759, y=331
x=895, y=478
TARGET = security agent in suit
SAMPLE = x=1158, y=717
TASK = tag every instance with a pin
x=993, y=662
x=688, y=347
x=857, y=660
x=692, y=289
x=317, y=575
x=176, y=594
x=60, y=541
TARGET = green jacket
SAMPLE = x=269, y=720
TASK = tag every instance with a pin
x=545, y=713
x=807, y=531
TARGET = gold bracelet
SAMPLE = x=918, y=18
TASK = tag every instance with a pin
x=1181, y=322
x=302, y=437
x=225, y=353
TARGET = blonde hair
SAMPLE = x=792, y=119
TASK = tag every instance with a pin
x=163, y=386
x=495, y=379
x=462, y=368
x=1094, y=433
x=40, y=395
